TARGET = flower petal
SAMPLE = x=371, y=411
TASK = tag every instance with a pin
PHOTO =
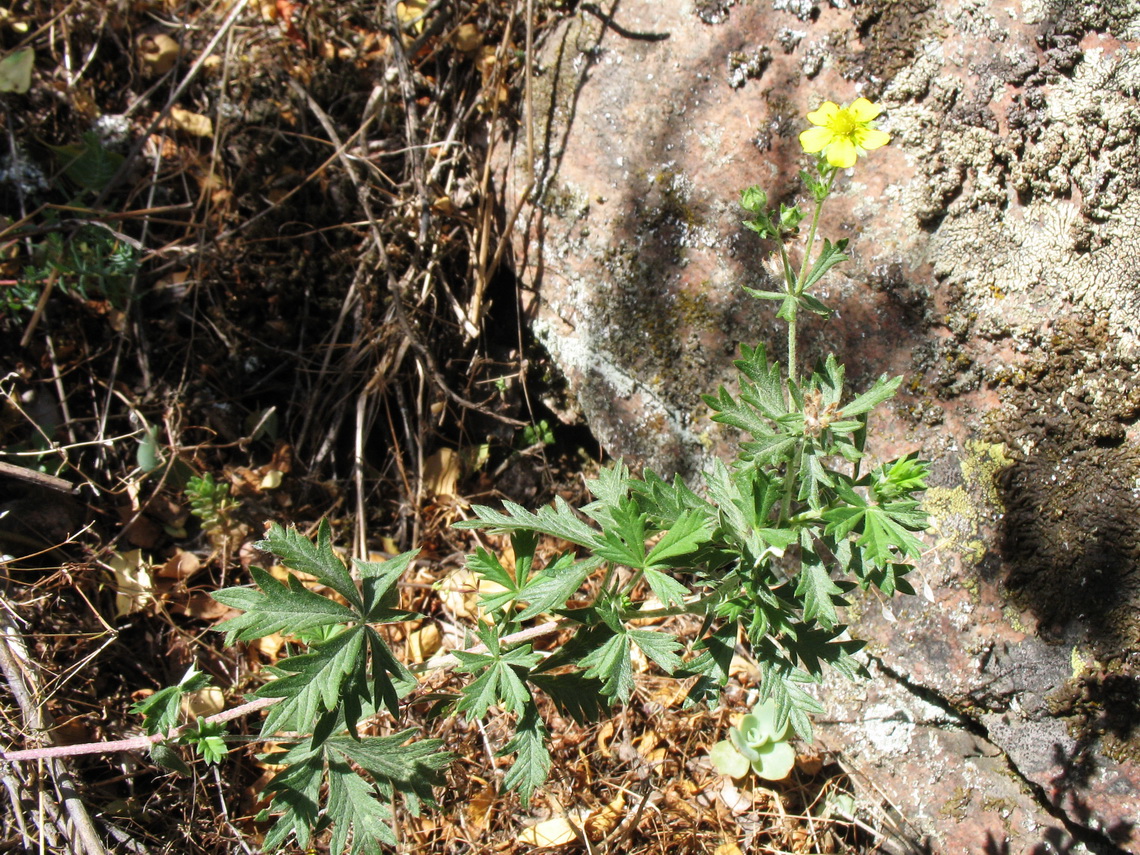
x=869, y=138
x=862, y=110
x=841, y=153
x=816, y=139
x=823, y=115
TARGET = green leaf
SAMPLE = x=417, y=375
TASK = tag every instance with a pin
x=659, y=647
x=688, y=535
x=829, y=256
x=89, y=163
x=766, y=391
x=378, y=580
x=410, y=769
x=792, y=703
x=550, y=589
x=611, y=664
x=207, y=739
x=883, y=389
x=557, y=521
x=277, y=608
x=667, y=589
x=532, y=759
x=574, y=694
x=299, y=553
x=711, y=666
x=315, y=682
x=391, y=680
x=163, y=755
x=353, y=808
x=817, y=590
x=488, y=567
x=498, y=681
x=296, y=794
x=162, y=710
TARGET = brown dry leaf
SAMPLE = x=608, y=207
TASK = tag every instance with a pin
x=604, y=820
x=266, y=648
x=481, y=806
x=204, y=702
x=134, y=586
x=459, y=592
x=194, y=124
x=442, y=471
x=728, y=847
x=467, y=39
x=809, y=761
x=551, y=832
x=202, y=606
x=409, y=13
x=180, y=566
x=157, y=53
x=605, y=734
x=424, y=642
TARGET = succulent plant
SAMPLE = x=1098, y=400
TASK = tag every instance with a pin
x=756, y=744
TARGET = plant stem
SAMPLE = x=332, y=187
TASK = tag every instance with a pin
x=796, y=288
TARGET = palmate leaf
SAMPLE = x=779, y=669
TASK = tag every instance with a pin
x=316, y=682
x=277, y=608
x=667, y=589
x=817, y=590
x=779, y=681
x=299, y=553
x=623, y=535
x=829, y=256
x=532, y=759
x=573, y=693
x=498, y=682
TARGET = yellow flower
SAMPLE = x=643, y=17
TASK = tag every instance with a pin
x=843, y=133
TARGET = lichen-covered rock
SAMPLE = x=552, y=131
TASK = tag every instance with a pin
x=996, y=263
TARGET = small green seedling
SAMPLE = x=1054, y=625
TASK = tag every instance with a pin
x=757, y=744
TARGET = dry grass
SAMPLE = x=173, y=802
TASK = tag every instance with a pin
x=321, y=303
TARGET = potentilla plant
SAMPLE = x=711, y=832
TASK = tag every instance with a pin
x=765, y=552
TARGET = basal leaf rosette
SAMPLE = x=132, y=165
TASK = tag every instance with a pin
x=756, y=744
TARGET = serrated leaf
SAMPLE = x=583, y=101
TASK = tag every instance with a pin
x=299, y=553
x=161, y=710
x=816, y=589
x=391, y=680
x=398, y=766
x=488, y=568
x=555, y=584
x=354, y=809
x=166, y=757
x=829, y=256
x=667, y=589
x=792, y=703
x=659, y=647
x=558, y=520
x=532, y=759
x=315, y=682
x=498, y=682
x=687, y=535
x=296, y=793
x=611, y=664
x=574, y=694
x=711, y=667
x=883, y=389
x=378, y=580
x=277, y=608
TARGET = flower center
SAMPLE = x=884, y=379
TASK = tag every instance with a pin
x=842, y=124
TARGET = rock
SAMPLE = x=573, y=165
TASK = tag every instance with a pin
x=995, y=264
